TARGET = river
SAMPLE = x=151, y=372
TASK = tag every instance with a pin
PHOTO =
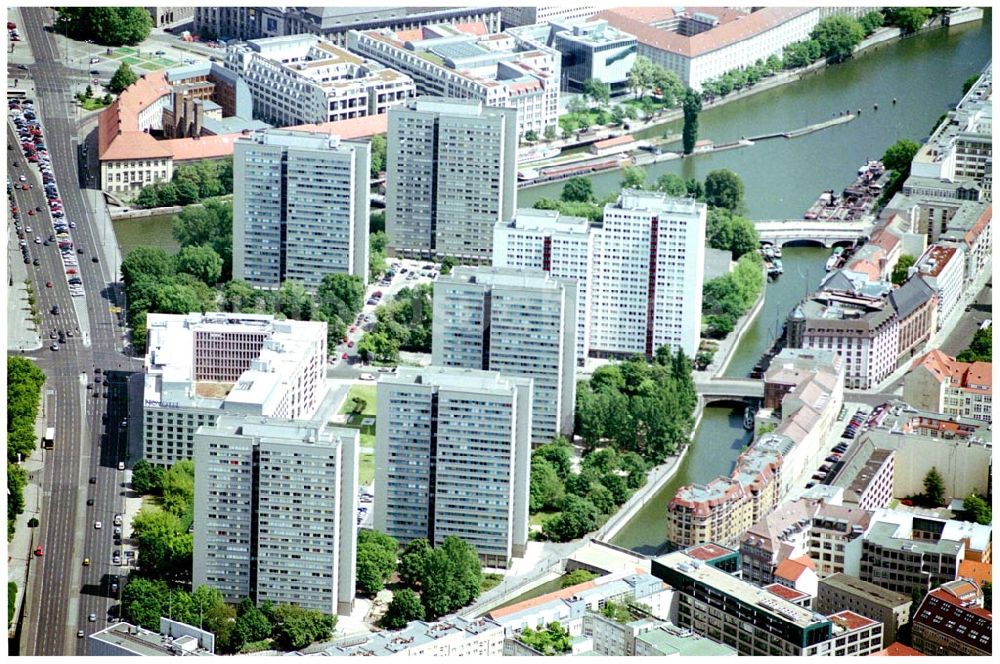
x=783, y=177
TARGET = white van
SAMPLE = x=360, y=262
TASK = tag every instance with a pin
x=366, y=376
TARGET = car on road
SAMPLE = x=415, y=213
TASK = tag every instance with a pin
x=92, y=617
x=86, y=562
x=39, y=551
x=366, y=376
x=98, y=525
x=121, y=465
x=90, y=501
x=55, y=310
x=36, y=262
x=93, y=480
x=79, y=633
x=118, y=519
x=54, y=347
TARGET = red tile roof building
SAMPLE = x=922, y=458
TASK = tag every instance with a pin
x=952, y=622
x=939, y=383
x=897, y=649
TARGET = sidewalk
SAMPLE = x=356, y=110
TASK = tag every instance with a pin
x=22, y=335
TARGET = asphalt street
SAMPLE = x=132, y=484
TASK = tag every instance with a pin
x=63, y=592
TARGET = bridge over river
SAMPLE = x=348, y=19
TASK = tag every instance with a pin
x=729, y=389
x=828, y=233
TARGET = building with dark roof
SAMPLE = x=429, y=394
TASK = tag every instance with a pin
x=915, y=304
x=841, y=591
x=951, y=621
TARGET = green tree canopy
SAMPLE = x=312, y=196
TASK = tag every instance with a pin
x=597, y=90
x=837, y=36
x=901, y=269
x=378, y=148
x=453, y=577
x=150, y=263
x=201, y=262
x=908, y=19
x=578, y=516
x=413, y=562
x=633, y=177
x=165, y=547
x=672, y=184
x=546, y=488
x=558, y=454
x=296, y=627
x=977, y=510
x=122, y=78
x=981, y=347
x=144, y=601
x=147, y=478
x=724, y=189
x=208, y=224
x=577, y=577
x=553, y=640
x=376, y=560
x=251, y=624
x=578, y=189
x=405, y=606
x=111, y=26
x=934, y=487
x=871, y=22
x=900, y=154
x=692, y=107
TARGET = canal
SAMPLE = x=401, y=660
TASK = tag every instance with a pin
x=783, y=177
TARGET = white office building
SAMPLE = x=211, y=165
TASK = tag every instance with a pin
x=943, y=268
x=300, y=208
x=274, y=510
x=516, y=322
x=201, y=366
x=648, y=276
x=452, y=457
x=303, y=79
x=450, y=177
x=561, y=245
x=518, y=16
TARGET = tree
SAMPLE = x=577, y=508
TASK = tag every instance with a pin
x=988, y=595
x=871, y=22
x=448, y=263
x=577, y=189
x=796, y=55
x=672, y=184
x=147, y=478
x=934, y=487
x=452, y=577
x=577, y=577
x=294, y=301
x=178, y=488
x=633, y=177
x=558, y=454
x=378, y=148
x=122, y=79
x=553, y=640
x=201, y=262
x=531, y=135
x=209, y=224
x=550, y=133
x=296, y=627
x=112, y=26
x=413, y=562
x=744, y=238
x=379, y=347
x=636, y=468
x=376, y=255
x=164, y=546
x=405, y=606
x=577, y=517
x=546, y=488
x=597, y=90
x=238, y=296
x=724, y=189
x=144, y=601
x=910, y=19
x=967, y=85
x=980, y=348
x=376, y=560
x=901, y=270
x=640, y=77
x=251, y=623
x=150, y=263
x=900, y=154
x=977, y=510
x=837, y=36
x=341, y=295
x=692, y=106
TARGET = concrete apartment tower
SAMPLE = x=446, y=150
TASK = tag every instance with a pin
x=274, y=510
x=648, y=291
x=300, y=208
x=451, y=175
x=562, y=246
x=516, y=322
x=453, y=457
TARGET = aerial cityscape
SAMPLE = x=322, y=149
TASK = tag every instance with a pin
x=499, y=331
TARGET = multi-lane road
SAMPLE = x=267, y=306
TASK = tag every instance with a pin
x=62, y=592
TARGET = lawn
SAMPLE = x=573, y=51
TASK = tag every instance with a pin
x=538, y=518
x=165, y=62
x=131, y=61
x=366, y=392
x=93, y=104
x=124, y=50
x=366, y=468
x=367, y=439
x=490, y=581
x=150, y=66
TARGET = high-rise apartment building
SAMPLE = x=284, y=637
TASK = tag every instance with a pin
x=647, y=290
x=274, y=510
x=518, y=323
x=300, y=208
x=452, y=457
x=561, y=245
x=201, y=366
x=451, y=176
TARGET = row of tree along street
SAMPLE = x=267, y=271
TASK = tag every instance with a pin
x=24, y=396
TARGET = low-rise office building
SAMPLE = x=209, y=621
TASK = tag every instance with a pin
x=841, y=591
x=300, y=208
x=939, y=383
x=903, y=551
x=465, y=61
x=452, y=457
x=275, y=503
x=517, y=323
x=201, y=366
x=303, y=79
x=757, y=622
x=943, y=268
x=453, y=637
x=951, y=621
x=175, y=639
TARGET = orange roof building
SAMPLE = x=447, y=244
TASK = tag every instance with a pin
x=941, y=384
x=702, y=43
x=897, y=649
x=977, y=571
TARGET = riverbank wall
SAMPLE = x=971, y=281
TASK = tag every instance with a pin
x=118, y=215
x=737, y=334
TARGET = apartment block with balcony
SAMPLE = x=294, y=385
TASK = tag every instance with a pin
x=201, y=366
x=451, y=177
x=517, y=323
x=452, y=457
x=300, y=208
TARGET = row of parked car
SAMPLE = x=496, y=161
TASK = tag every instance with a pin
x=824, y=472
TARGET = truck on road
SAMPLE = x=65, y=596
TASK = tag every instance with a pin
x=50, y=437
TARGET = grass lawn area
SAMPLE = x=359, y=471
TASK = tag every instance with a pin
x=152, y=503
x=131, y=61
x=491, y=581
x=150, y=66
x=125, y=50
x=366, y=392
x=539, y=518
x=93, y=104
x=367, y=439
x=366, y=468
x=165, y=62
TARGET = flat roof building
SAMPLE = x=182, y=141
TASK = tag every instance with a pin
x=452, y=637
x=452, y=457
x=300, y=208
x=450, y=177
x=175, y=639
x=517, y=323
x=841, y=591
x=200, y=366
